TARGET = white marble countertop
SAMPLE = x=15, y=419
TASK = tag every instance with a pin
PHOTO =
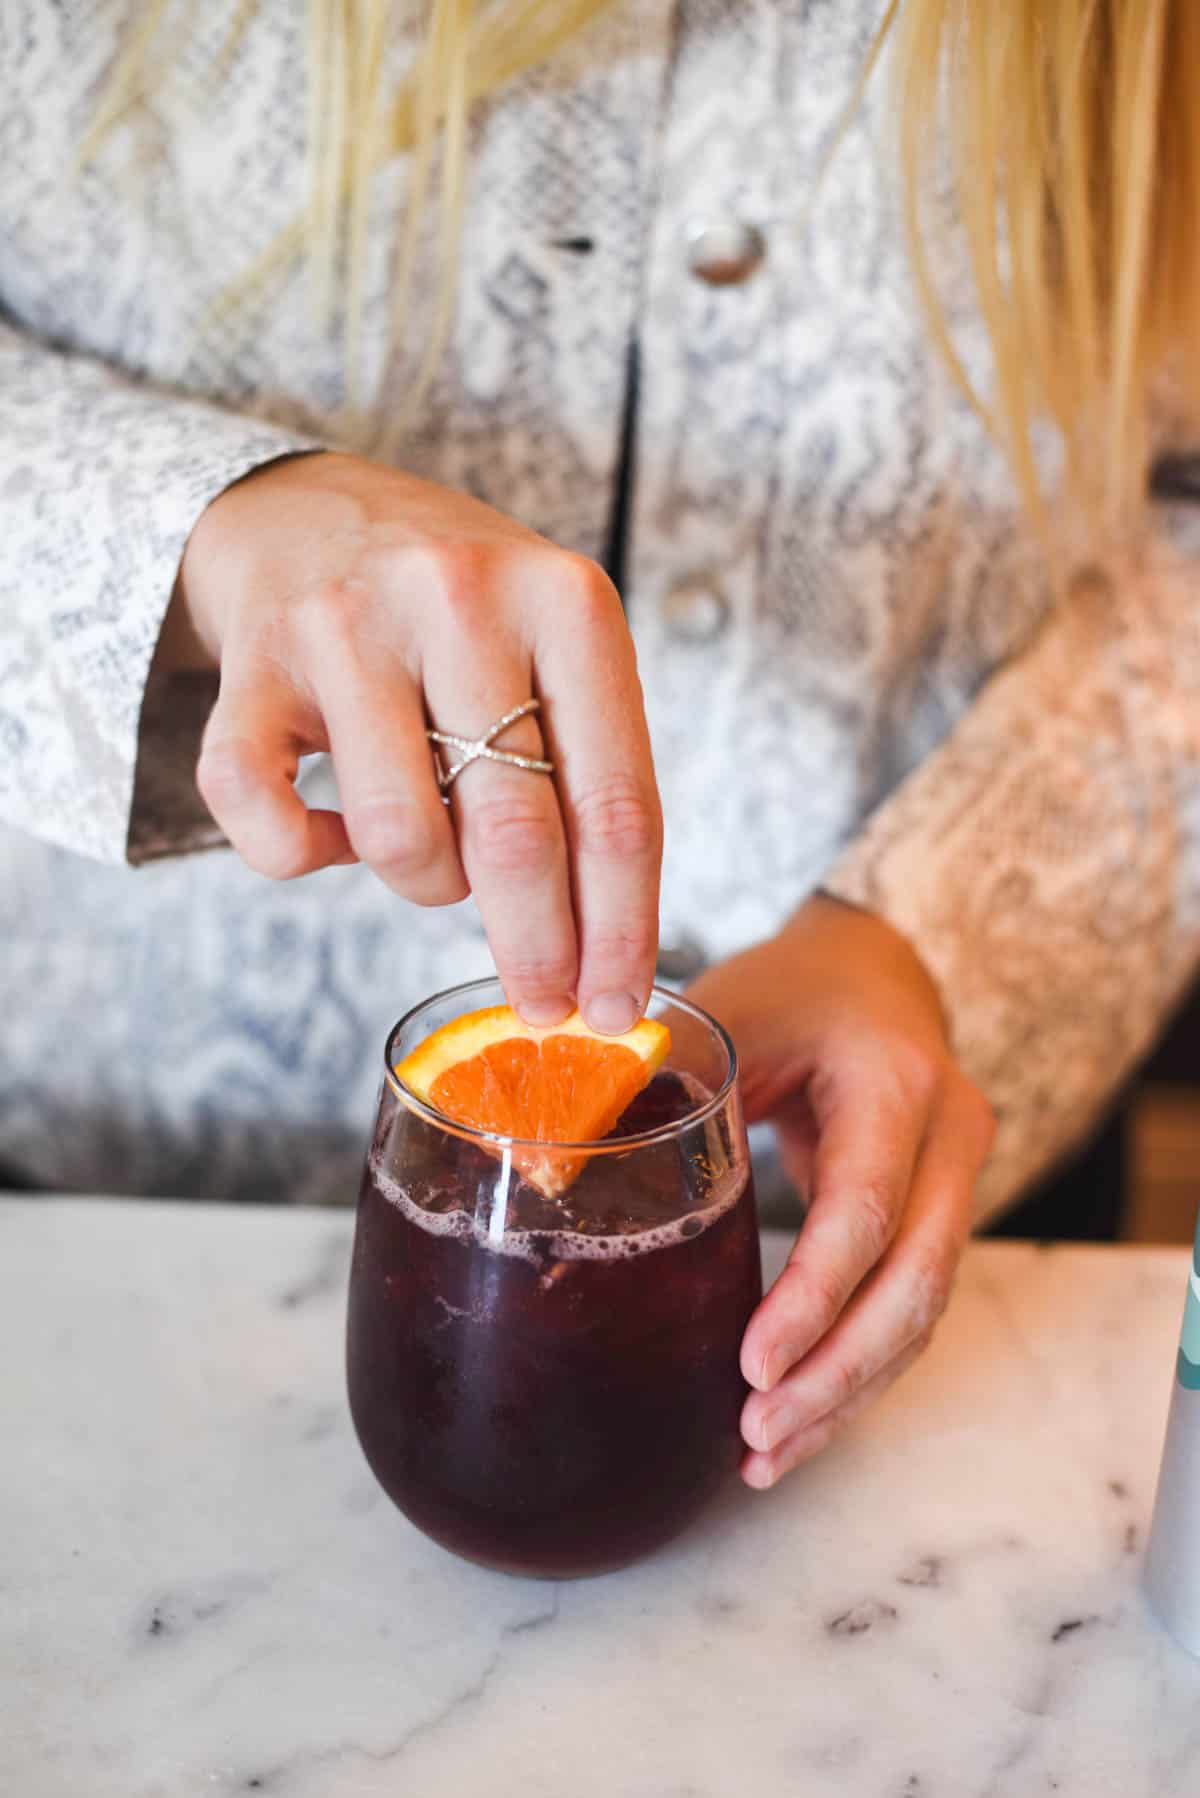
x=203, y=1592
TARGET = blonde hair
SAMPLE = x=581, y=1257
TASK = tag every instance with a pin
x=1073, y=147
x=1073, y=134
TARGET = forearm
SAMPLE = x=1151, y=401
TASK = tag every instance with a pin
x=1044, y=862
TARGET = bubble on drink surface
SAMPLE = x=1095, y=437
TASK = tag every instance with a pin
x=438, y=1208
x=545, y=1247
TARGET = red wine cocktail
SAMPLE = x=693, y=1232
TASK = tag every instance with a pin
x=551, y=1385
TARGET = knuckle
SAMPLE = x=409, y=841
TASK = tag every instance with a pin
x=330, y=611
x=544, y=977
x=930, y=1284
x=279, y=857
x=846, y=1378
x=394, y=836
x=226, y=773
x=874, y=1219
x=827, y=1292
x=512, y=834
x=457, y=577
x=277, y=849
x=918, y=1071
x=590, y=588
x=576, y=579
x=629, y=944
x=618, y=820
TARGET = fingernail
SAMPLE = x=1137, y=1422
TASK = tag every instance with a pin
x=541, y=1012
x=775, y=1426
x=612, y=1014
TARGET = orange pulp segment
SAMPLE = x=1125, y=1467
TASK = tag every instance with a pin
x=557, y=1084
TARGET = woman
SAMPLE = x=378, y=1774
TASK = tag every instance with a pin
x=911, y=800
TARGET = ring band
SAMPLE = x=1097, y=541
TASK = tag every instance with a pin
x=479, y=749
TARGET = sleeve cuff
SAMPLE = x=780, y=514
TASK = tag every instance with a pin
x=105, y=479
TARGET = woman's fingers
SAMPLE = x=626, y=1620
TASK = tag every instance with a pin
x=564, y=870
x=248, y=762
x=515, y=854
x=892, y=1311
x=335, y=571
x=868, y=1140
x=360, y=592
x=394, y=814
x=764, y=1470
x=510, y=829
x=597, y=734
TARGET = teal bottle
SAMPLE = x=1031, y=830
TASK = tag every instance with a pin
x=1172, y=1572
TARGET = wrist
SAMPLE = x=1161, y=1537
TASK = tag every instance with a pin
x=853, y=935
x=217, y=560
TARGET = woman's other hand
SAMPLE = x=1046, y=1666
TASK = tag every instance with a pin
x=347, y=603
x=842, y=1042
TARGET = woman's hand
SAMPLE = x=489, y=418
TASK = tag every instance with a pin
x=348, y=604
x=842, y=1042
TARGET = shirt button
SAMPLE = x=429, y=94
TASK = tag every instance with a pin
x=696, y=610
x=681, y=960
x=724, y=252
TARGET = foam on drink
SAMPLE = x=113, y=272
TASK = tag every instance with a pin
x=540, y=1246
x=444, y=1209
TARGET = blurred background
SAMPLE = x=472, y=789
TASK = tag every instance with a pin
x=1138, y=1180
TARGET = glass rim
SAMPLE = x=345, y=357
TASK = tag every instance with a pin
x=604, y=1145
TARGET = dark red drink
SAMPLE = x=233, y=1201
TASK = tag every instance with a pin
x=554, y=1389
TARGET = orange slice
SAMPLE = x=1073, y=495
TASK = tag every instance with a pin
x=561, y=1084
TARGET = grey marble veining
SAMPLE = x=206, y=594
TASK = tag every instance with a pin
x=203, y=1592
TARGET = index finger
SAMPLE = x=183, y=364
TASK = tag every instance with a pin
x=866, y=1154
x=596, y=730
x=246, y=774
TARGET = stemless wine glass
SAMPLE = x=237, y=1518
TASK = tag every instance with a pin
x=551, y=1386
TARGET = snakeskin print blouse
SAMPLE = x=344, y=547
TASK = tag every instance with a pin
x=853, y=672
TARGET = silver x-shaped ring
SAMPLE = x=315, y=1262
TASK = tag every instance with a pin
x=479, y=749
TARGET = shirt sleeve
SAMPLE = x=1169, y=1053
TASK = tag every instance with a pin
x=1045, y=860
x=101, y=480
